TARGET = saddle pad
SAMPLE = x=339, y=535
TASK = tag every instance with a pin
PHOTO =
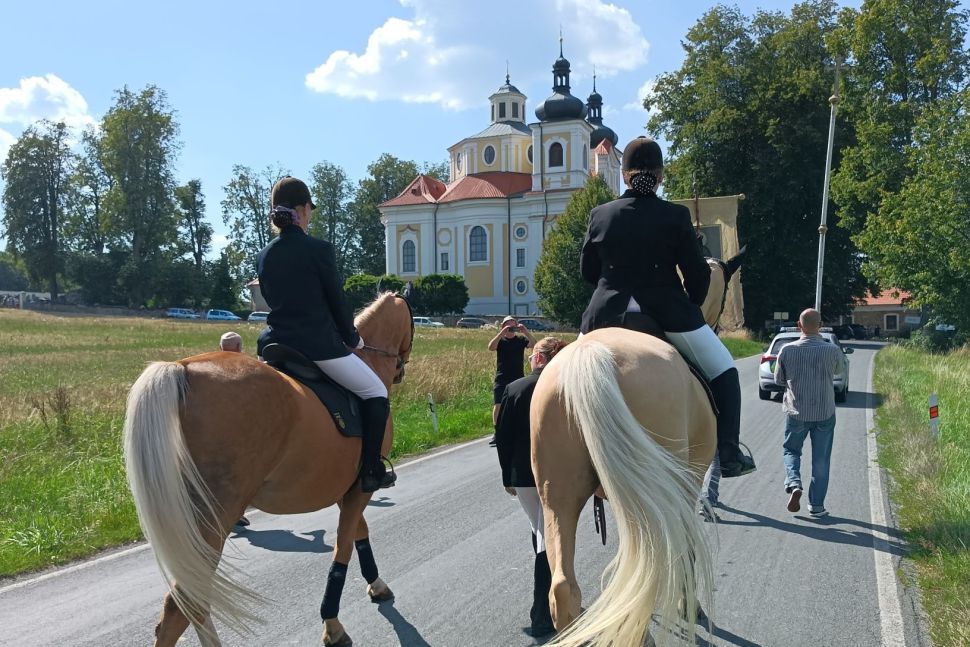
x=344, y=406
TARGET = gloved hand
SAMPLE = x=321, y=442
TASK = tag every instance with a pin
x=510, y=490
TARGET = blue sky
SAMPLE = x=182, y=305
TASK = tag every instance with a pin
x=303, y=82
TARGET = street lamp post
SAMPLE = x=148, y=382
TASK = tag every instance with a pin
x=834, y=101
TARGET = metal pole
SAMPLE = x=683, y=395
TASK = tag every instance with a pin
x=834, y=100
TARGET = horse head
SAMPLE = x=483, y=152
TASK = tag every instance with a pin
x=721, y=273
x=388, y=331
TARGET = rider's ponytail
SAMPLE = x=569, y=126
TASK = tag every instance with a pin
x=549, y=346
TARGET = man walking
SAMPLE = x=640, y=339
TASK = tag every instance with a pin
x=805, y=368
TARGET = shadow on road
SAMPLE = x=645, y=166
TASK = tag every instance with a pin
x=860, y=400
x=727, y=637
x=383, y=502
x=407, y=634
x=824, y=529
x=286, y=541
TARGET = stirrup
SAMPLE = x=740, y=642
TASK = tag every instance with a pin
x=390, y=466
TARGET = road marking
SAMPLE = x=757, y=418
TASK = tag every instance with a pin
x=144, y=546
x=890, y=609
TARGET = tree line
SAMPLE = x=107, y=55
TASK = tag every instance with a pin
x=101, y=212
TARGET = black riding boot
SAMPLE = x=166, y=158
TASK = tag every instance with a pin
x=727, y=396
x=373, y=475
x=540, y=616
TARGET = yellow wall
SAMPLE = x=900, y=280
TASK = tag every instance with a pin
x=496, y=164
x=524, y=162
x=478, y=278
x=505, y=259
x=417, y=247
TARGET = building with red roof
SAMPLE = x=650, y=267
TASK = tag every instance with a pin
x=888, y=314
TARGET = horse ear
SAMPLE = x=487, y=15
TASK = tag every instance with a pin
x=735, y=263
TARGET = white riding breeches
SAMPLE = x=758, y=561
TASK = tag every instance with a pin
x=529, y=500
x=354, y=375
x=704, y=349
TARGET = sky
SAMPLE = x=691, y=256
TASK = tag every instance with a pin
x=259, y=83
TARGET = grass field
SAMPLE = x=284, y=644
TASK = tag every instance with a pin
x=931, y=478
x=63, y=383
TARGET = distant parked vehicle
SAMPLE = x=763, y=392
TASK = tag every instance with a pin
x=843, y=331
x=471, y=322
x=426, y=322
x=766, y=370
x=181, y=313
x=536, y=325
x=859, y=331
x=258, y=316
x=221, y=315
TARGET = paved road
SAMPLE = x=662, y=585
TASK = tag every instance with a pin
x=455, y=549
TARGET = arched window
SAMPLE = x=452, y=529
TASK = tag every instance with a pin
x=585, y=157
x=555, y=154
x=477, y=244
x=408, y=263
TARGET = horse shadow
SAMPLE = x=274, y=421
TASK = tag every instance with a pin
x=286, y=541
x=407, y=634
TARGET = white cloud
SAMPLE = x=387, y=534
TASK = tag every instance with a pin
x=454, y=54
x=36, y=98
x=645, y=90
x=6, y=141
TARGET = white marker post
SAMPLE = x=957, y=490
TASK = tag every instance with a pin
x=434, y=414
x=934, y=415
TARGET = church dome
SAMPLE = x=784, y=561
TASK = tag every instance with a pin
x=561, y=105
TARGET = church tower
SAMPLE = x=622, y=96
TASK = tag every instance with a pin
x=606, y=161
x=560, y=139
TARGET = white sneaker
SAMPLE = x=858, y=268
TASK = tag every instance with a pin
x=818, y=513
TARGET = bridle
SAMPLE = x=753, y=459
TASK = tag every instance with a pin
x=401, y=362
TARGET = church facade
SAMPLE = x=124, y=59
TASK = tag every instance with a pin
x=507, y=186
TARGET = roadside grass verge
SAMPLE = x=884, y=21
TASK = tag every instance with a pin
x=931, y=478
x=63, y=384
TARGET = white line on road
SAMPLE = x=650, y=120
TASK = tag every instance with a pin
x=890, y=609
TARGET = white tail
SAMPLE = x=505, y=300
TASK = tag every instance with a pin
x=662, y=543
x=173, y=501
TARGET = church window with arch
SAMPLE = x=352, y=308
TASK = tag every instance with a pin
x=477, y=245
x=515, y=110
x=585, y=157
x=408, y=260
x=501, y=111
x=529, y=154
x=555, y=154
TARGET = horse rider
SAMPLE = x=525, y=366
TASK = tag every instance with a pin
x=632, y=250
x=309, y=312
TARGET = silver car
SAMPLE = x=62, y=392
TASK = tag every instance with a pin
x=766, y=371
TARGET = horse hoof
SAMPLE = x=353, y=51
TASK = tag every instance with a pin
x=385, y=596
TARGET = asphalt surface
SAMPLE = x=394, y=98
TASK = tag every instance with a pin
x=455, y=549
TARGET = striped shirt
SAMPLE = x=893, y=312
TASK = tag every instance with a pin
x=806, y=368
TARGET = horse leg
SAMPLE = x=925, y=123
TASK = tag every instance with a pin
x=351, y=512
x=377, y=589
x=561, y=518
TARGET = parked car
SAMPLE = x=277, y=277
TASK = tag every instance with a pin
x=181, y=313
x=859, y=331
x=536, y=325
x=257, y=316
x=221, y=315
x=843, y=331
x=426, y=322
x=766, y=371
x=471, y=322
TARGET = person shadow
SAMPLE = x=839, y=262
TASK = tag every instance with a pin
x=286, y=541
x=383, y=502
x=407, y=634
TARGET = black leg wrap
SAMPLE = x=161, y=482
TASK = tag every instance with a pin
x=330, y=606
x=368, y=567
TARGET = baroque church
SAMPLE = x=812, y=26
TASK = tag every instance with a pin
x=507, y=186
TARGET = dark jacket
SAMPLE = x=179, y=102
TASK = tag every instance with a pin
x=308, y=310
x=633, y=248
x=512, y=437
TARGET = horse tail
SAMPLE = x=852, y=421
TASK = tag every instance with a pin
x=662, y=543
x=174, y=504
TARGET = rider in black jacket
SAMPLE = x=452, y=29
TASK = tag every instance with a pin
x=309, y=312
x=632, y=250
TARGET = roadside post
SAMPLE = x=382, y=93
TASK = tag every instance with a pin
x=934, y=415
x=434, y=414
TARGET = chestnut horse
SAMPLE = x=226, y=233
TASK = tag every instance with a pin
x=208, y=435
x=620, y=413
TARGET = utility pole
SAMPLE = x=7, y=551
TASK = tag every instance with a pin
x=834, y=101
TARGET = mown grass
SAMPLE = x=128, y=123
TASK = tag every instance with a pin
x=63, y=383
x=931, y=477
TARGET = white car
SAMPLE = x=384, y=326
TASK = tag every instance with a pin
x=258, y=316
x=181, y=313
x=221, y=315
x=766, y=371
x=426, y=322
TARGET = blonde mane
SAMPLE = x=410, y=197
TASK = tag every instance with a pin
x=369, y=312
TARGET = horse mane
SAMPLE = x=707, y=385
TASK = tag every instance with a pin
x=370, y=311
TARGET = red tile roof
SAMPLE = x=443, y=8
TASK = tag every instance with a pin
x=890, y=297
x=604, y=146
x=423, y=190
x=493, y=184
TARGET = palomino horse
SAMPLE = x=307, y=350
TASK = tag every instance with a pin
x=208, y=435
x=620, y=412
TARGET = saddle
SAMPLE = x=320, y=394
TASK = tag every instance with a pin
x=644, y=323
x=344, y=406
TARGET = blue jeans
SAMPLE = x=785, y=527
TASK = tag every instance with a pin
x=822, y=432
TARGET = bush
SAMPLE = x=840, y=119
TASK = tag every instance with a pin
x=440, y=294
x=931, y=340
x=361, y=289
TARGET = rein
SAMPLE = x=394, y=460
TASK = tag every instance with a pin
x=401, y=362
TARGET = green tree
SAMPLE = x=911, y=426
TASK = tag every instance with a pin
x=245, y=209
x=747, y=113
x=196, y=236
x=440, y=294
x=36, y=173
x=919, y=240
x=361, y=289
x=138, y=147
x=386, y=178
x=85, y=229
x=12, y=275
x=332, y=192
x=224, y=294
x=563, y=295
